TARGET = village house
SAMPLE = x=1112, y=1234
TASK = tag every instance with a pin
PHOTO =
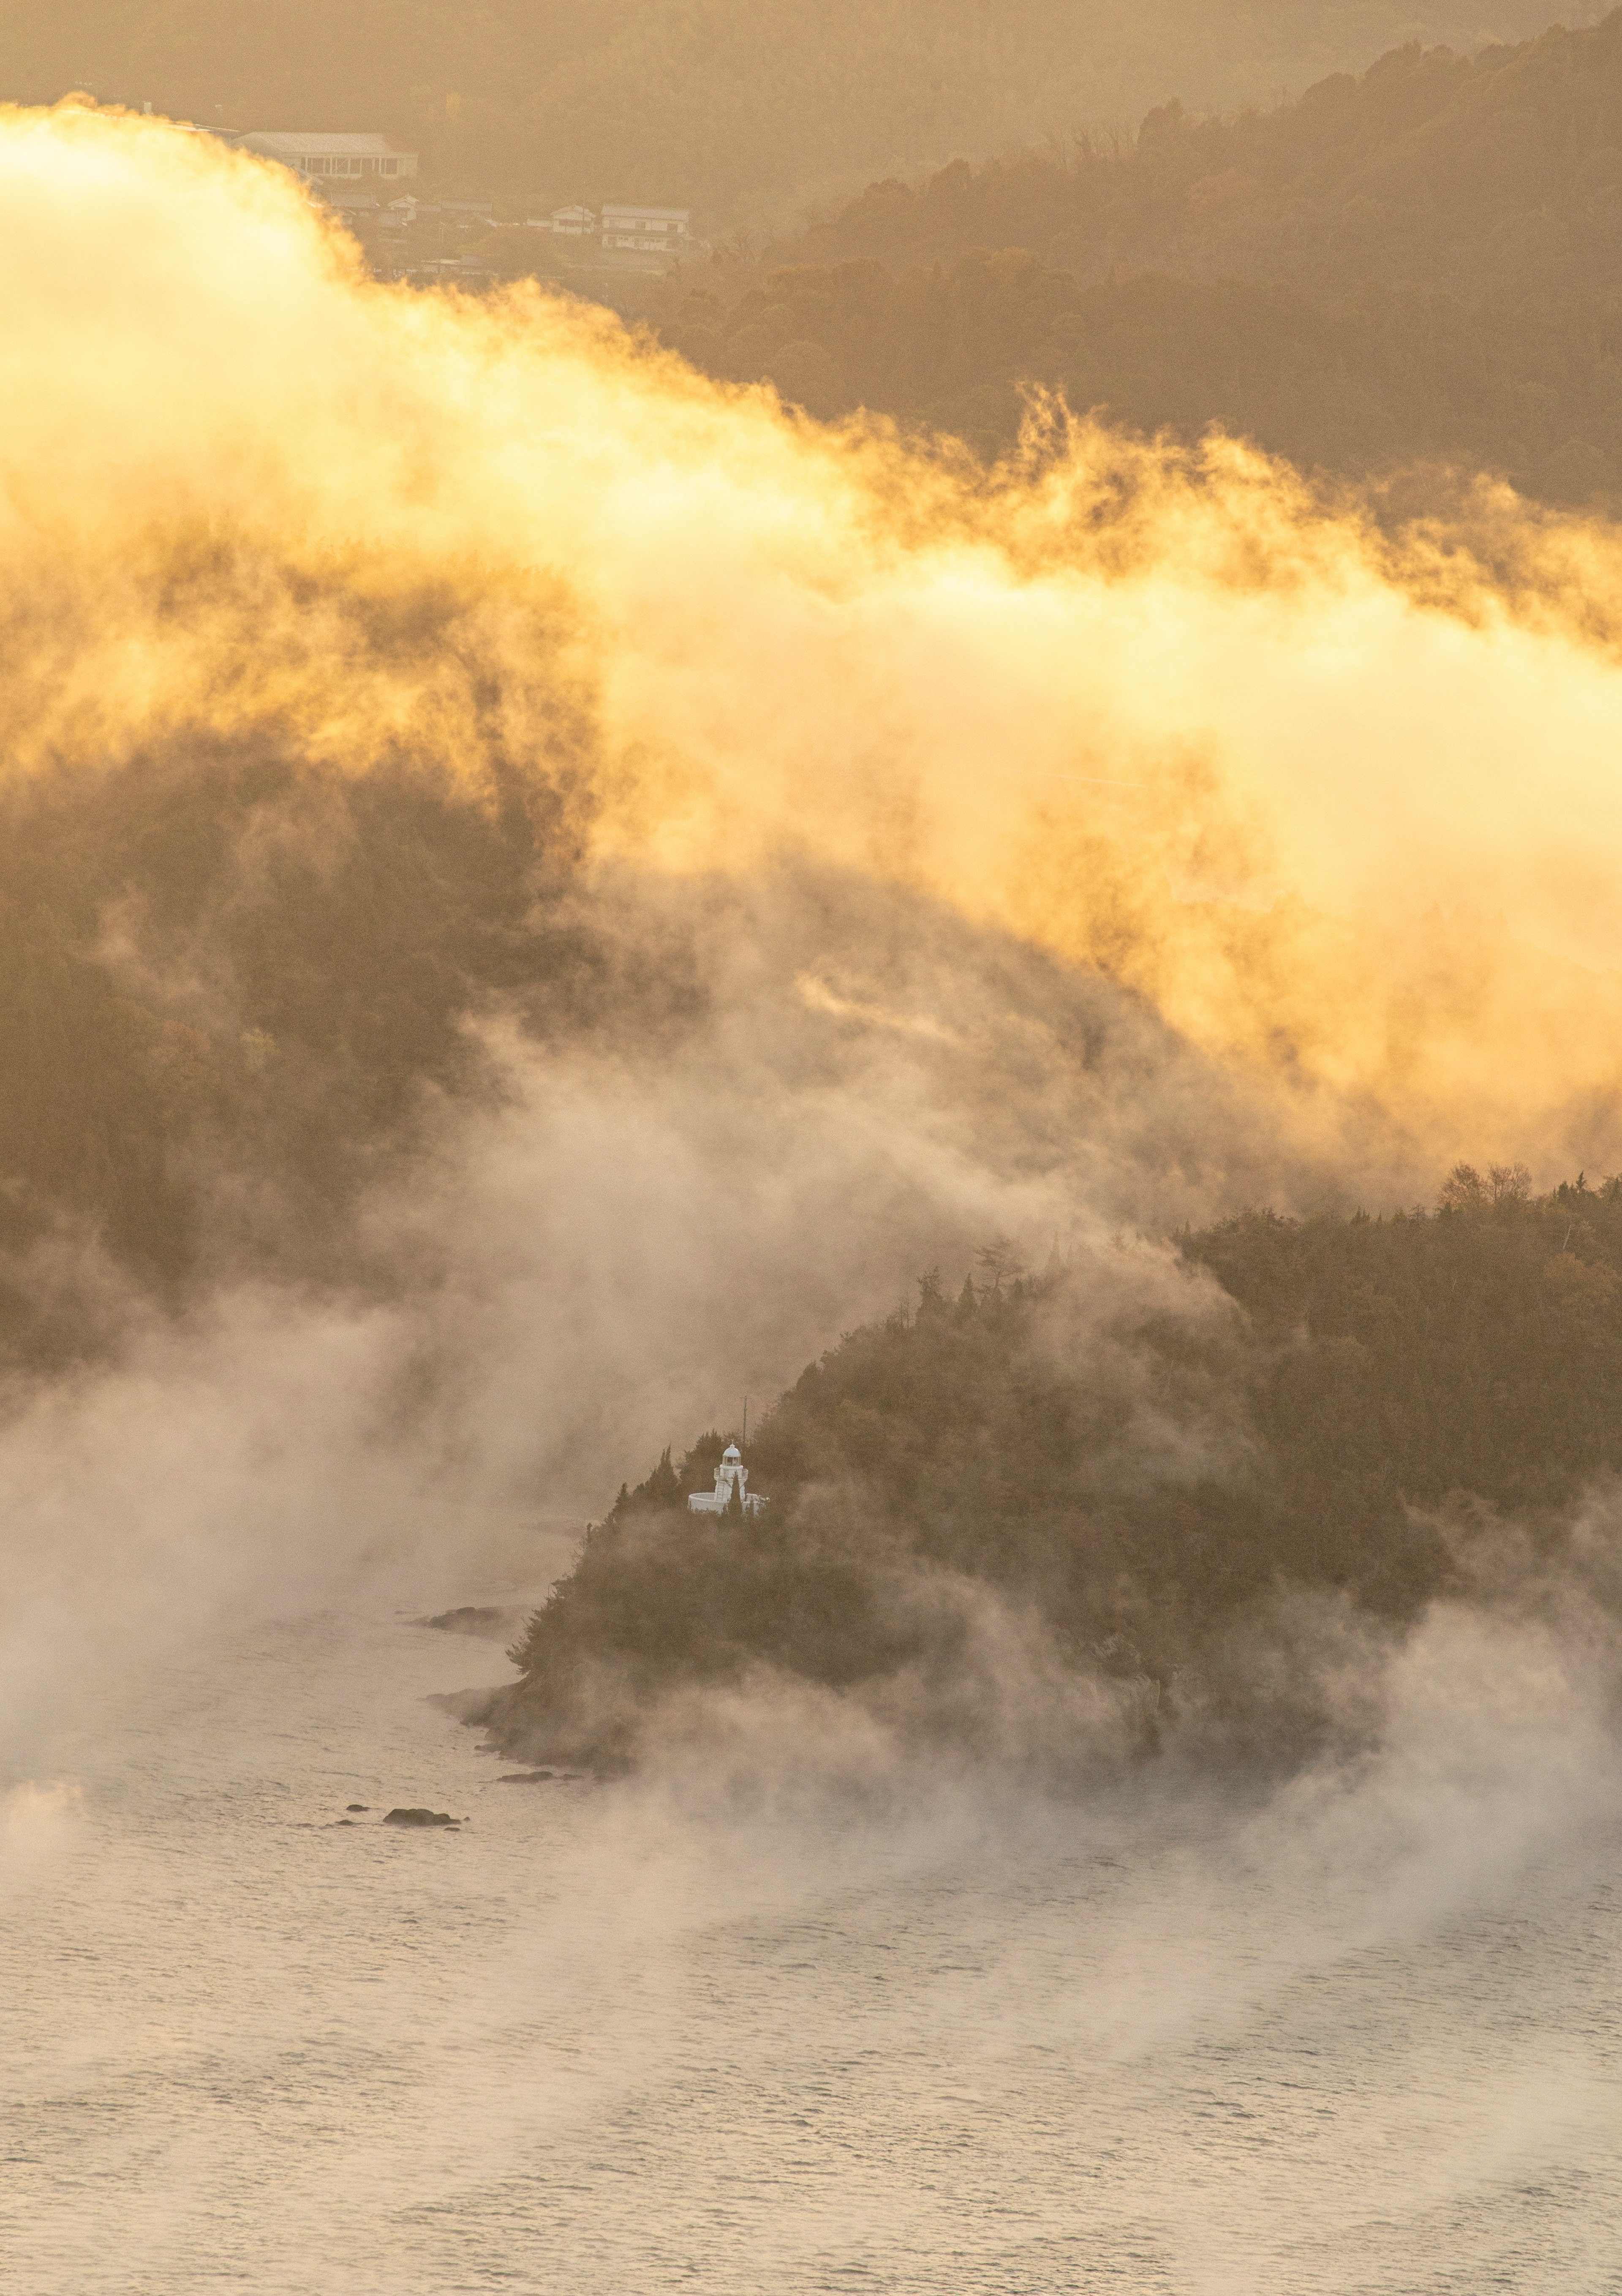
x=567, y=223
x=623, y=231
x=331, y=160
x=647, y=231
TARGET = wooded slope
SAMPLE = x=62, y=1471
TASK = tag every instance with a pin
x=743, y=112
x=1352, y=1417
x=1416, y=271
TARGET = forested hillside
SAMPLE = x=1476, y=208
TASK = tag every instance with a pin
x=1154, y=1479
x=1394, y=377
x=199, y=1026
x=742, y=111
x=1500, y=171
x=1420, y=268
x=244, y=1001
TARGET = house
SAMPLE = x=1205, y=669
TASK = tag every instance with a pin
x=328, y=159
x=567, y=223
x=647, y=231
x=732, y=1475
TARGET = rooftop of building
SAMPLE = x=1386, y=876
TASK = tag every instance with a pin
x=316, y=144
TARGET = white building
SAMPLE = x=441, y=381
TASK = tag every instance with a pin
x=731, y=1475
x=647, y=231
x=322, y=158
x=567, y=223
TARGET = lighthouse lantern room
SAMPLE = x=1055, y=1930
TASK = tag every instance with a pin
x=731, y=1476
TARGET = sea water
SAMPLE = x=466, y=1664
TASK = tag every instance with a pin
x=614, y=2039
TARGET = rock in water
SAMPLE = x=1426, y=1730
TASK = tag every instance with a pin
x=420, y=1817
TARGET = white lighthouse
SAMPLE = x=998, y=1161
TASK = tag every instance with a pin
x=732, y=1475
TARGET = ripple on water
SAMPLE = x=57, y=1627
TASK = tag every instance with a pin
x=584, y=2043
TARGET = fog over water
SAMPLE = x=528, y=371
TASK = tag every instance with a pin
x=796, y=2008
x=1360, y=2034
x=840, y=858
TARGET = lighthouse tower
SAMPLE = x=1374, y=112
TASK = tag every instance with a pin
x=732, y=1475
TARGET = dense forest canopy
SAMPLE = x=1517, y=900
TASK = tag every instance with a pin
x=1420, y=266
x=1154, y=1478
x=1497, y=171
x=1395, y=379
x=743, y=111
x=217, y=964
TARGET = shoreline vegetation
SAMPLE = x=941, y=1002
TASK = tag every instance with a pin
x=1186, y=1493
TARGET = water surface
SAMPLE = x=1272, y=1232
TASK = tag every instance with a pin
x=616, y=2039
